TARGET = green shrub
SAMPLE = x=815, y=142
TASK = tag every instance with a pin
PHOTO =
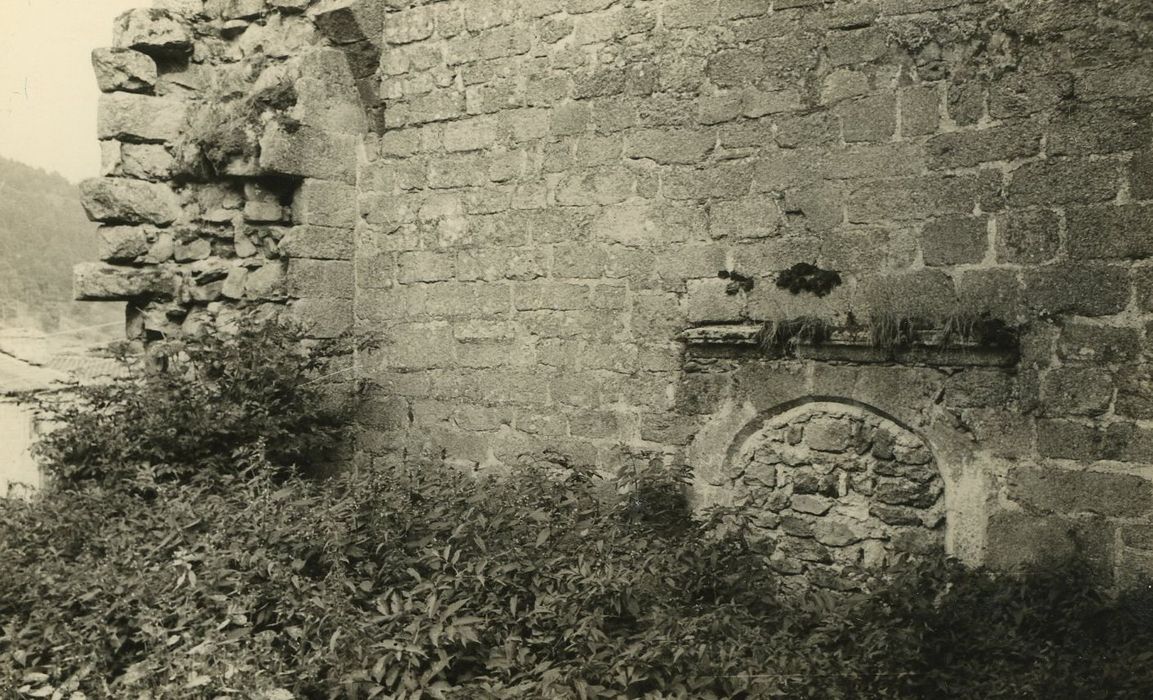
x=149, y=572
x=223, y=400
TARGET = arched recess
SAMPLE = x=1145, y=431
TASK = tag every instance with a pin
x=934, y=489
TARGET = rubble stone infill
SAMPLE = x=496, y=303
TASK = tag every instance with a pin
x=838, y=493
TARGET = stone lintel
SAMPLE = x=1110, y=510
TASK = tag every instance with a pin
x=855, y=347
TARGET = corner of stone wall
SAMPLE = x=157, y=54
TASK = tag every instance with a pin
x=230, y=132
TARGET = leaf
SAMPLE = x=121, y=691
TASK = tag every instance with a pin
x=197, y=680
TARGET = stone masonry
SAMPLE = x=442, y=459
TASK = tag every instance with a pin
x=839, y=493
x=531, y=200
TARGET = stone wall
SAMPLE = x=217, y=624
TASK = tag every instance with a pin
x=230, y=131
x=560, y=183
x=535, y=198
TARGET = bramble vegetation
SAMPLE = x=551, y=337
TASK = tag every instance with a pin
x=199, y=560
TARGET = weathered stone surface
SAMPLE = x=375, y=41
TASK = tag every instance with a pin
x=814, y=505
x=924, y=197
x=241, y=9
x=1065, y=439
x=119, y=200
x=123, y=243
x=1064, y=180
x=837, y=534
x=1140, y=174
x=131, y=117
x=263, y=212
x=152, y=31
x=319, y=242
x=1019, y=95
x=146, y=161
x=331, y=279
x=922, y=293
x=955, y=241
x=1028, y=236
x=895, y=515
x=192, y=249
x=806, y=550
x=1110, y=232
x=1076, y=391
x=1085, y=289
x=871, y=119
x=322, y=318
x=1094, y=129
x=123, y=69
x=309, y=153
x=962, y=149
x=1080, y=491
x=350, y=21
x=326, y=93
x=265, y=282
x=1094, y=344
x=920, y=110
x=234, y=283
x=906, y=493
x=325, y=203
x=828, y=435
x=97, y=282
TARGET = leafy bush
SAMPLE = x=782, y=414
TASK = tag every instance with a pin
x=149, y=573
x=222, y=400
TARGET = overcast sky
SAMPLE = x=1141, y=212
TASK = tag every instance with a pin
x=47, y=91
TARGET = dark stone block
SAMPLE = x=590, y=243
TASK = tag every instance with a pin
x=1076, y=391
x=1084, y=289
x=1110, y=232
x=905, y=493
x=1028, y=236
x=964, y=149
x=895, y=515
x=1065, y=180
x=955, y=240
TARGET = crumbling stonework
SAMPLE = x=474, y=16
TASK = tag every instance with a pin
x=230, y=132
x=532, y=199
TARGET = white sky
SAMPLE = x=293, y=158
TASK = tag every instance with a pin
x=47, y=90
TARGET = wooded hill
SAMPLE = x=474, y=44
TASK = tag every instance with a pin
x=43, y=233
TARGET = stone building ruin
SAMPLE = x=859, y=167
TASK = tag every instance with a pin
x=881, y=267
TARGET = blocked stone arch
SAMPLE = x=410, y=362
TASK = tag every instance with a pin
x=892, y=484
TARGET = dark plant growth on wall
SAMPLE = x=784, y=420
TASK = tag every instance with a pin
x=737, y=282
x=227, y=129
x=806, y=277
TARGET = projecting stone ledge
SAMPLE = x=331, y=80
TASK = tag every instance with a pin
x=123, y=69
x=854, y=347
x=120, y=200
x=140, y=118
x=97, y=282
x=153, y=31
